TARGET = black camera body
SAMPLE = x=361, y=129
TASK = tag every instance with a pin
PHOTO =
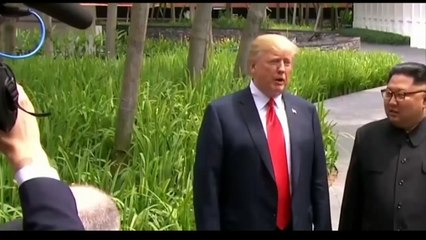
x=8, y=98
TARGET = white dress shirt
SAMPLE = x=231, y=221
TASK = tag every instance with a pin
x=261, y=102
x=36, y=171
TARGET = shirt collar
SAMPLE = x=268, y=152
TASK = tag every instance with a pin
x=418, y=134
x=260, y=99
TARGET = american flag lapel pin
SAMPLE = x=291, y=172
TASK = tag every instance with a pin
x=293, y=111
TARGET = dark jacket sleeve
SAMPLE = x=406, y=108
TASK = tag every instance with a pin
x=207, y=171
x=320, y=192
x=48, y=204
x=350, y=213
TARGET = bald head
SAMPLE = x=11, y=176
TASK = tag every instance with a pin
x=96, y=209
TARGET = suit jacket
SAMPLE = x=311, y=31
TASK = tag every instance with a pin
x=234, y=186
x=386, y=181
x=48, y=204
x=14, y=225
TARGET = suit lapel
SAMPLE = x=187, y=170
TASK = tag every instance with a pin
x=254, y=125
x=292, y=120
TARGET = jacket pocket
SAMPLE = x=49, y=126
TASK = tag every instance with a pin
x=378, y=164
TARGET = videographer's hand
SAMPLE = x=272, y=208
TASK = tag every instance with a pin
x=22, y=144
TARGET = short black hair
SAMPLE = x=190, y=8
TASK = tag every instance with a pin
x=410, y=69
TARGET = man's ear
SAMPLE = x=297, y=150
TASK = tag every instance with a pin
x=424, y=102
x=252, y=67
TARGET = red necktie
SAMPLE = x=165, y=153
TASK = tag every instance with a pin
x=277, y=149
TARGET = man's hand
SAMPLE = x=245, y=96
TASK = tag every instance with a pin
x=22, y=144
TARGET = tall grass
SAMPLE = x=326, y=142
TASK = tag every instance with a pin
x=334, y=73
x=154, y=191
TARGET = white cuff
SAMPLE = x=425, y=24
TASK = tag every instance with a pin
x=33, y=171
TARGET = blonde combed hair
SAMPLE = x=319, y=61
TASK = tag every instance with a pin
x=267, y=42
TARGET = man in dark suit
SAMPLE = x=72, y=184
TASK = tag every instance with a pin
x=47, y=203
x=386, y=182
x=260, y=161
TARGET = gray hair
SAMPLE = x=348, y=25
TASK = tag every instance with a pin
x=96, y=209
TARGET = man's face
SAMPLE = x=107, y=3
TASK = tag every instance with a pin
x=404, y=102
x=271, y=71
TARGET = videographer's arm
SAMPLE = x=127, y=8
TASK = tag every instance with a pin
x=47, y=203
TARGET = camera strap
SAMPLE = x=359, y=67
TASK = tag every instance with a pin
x=9, y=99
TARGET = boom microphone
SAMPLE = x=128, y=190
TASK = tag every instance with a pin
x=69, y=13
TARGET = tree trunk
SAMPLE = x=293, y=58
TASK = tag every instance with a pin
x=181, y=13
x=319, y=13
x=132, y=77
x=333, y=17
x=9, y=38
x=162, y=8
x=316, y=6
x=2, y=21
x=255, y=16
x=152, y=7
x=321, y=21
x=286, y=14
x=199, y=39
x=228, y=10
x=278, y=12
x=294, y=13
x=173, y=12
x=209, y=46
x=192, y=11
x=307, y=7
x=128, y=10
x=111, y=30
x=48, y=44
x=8, y=31
x=91, y=33
x=157, y=13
